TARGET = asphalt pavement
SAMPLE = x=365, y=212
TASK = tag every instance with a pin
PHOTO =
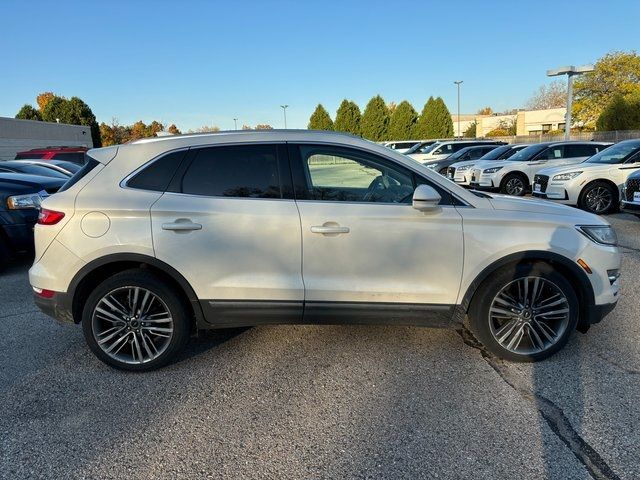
x=322, y=401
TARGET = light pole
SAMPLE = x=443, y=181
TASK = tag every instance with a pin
x=570, y=71
x=284, y=111
x=458, y=82
x=235, y=123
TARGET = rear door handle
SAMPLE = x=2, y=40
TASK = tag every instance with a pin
x=182, y=225
x=329, y=229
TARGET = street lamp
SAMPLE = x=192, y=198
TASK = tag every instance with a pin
x=570, y=71
x=284, y=111
x=235, y=123
x=458, y=82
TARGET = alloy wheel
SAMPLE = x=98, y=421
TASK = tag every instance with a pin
x=514, y=186
x=598, y=199
x=529, y=315
x=132, y=325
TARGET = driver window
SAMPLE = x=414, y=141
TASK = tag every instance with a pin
x=338, y=175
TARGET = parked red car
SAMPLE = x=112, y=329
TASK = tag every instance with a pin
x=70, y=154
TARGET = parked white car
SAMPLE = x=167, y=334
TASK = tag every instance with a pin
x=459, y=172
x=402, y=146
x=594, y=185
x=515, y=176
x=157, y=238
x=442, y=149
x=631, y=194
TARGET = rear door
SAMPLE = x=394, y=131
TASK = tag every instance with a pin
x=228, y=223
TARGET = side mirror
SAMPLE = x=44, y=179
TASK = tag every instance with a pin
x=425, y=198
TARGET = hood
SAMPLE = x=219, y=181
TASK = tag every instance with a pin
x=19, y=183
x=574, y=167
x=482, y=164
x=545, y=207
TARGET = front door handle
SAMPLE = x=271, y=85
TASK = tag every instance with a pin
x=182, y=225
x=329, y=228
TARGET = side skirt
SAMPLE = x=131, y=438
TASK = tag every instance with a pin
x=242, y=313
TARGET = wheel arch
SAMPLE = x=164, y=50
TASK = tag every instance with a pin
x=611, y=183
x=89, y=276
x=574, y=273
x=517, y=172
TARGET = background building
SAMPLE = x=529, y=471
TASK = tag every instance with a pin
x=528, y=122
x=18, y=135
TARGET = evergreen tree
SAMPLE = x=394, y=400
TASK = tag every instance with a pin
x=442, y=123
x=320, y=119
x=402, y=122
x=348, y=118
x=27, y=112
x=423, y=125
x=620, y=114
x=375, y=120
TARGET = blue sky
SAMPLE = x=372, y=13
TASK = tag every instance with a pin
x=205, y=62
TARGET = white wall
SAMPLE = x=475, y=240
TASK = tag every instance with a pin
x=18, y=135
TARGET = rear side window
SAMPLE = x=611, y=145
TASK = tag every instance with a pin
x=572, y=151
x=244, y=171
x=157, y=175
x=551, y=153
x=29, y=156
x=86, y=168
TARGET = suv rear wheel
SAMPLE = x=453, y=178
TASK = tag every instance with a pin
x=135, y=321
x=524, y=313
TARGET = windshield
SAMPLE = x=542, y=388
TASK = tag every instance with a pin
x=496, y=153
x=617, y=153
x=528, y=153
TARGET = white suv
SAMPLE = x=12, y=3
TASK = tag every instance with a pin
x=155, y=239
x=515, y=176
x=442, y=149
x=594, y=185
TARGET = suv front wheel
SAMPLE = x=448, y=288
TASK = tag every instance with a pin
x=524, y=313
x=135, y=321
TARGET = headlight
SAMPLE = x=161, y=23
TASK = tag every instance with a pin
x=603, y=235
x=492, y=170
x=18, y=202
x=566, y=176
x=463, y=168
x=432, y=166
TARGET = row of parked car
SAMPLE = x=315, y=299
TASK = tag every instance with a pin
x=598, y=177
x=24, y=182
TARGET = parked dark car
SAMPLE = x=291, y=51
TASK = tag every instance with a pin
x=20, y=197
x=61, y=165
x=18, y=166
x=70, y=154
x=631, y=195
x=467, y=153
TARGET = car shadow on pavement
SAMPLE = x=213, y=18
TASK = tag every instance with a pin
x=205, y=340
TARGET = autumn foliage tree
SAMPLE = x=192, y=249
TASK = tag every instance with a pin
x=44, y=98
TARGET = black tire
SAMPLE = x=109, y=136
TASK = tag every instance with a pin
x=507, y=186
x=480, y=321
x=174, y=303
x=604, y=190
x=4, y=254
x=443, y=171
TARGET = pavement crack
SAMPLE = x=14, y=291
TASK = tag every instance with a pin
x=631, y=371
x=557, y=421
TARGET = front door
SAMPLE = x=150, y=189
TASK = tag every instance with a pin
x=367, y=254
x=228, y=227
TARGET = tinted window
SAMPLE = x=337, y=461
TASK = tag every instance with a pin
x=75, y=157
x=236, y=171
x=571, y=151
x=157, y=175
x=27, y=155
x=337, y=174
x=86, y=168
x=528, y=153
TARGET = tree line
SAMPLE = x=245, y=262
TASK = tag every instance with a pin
x=380, y=121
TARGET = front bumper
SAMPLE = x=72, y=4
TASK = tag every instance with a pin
x=560, y=192
x=631, y=207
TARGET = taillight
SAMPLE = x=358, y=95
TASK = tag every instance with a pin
x=49, y=217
